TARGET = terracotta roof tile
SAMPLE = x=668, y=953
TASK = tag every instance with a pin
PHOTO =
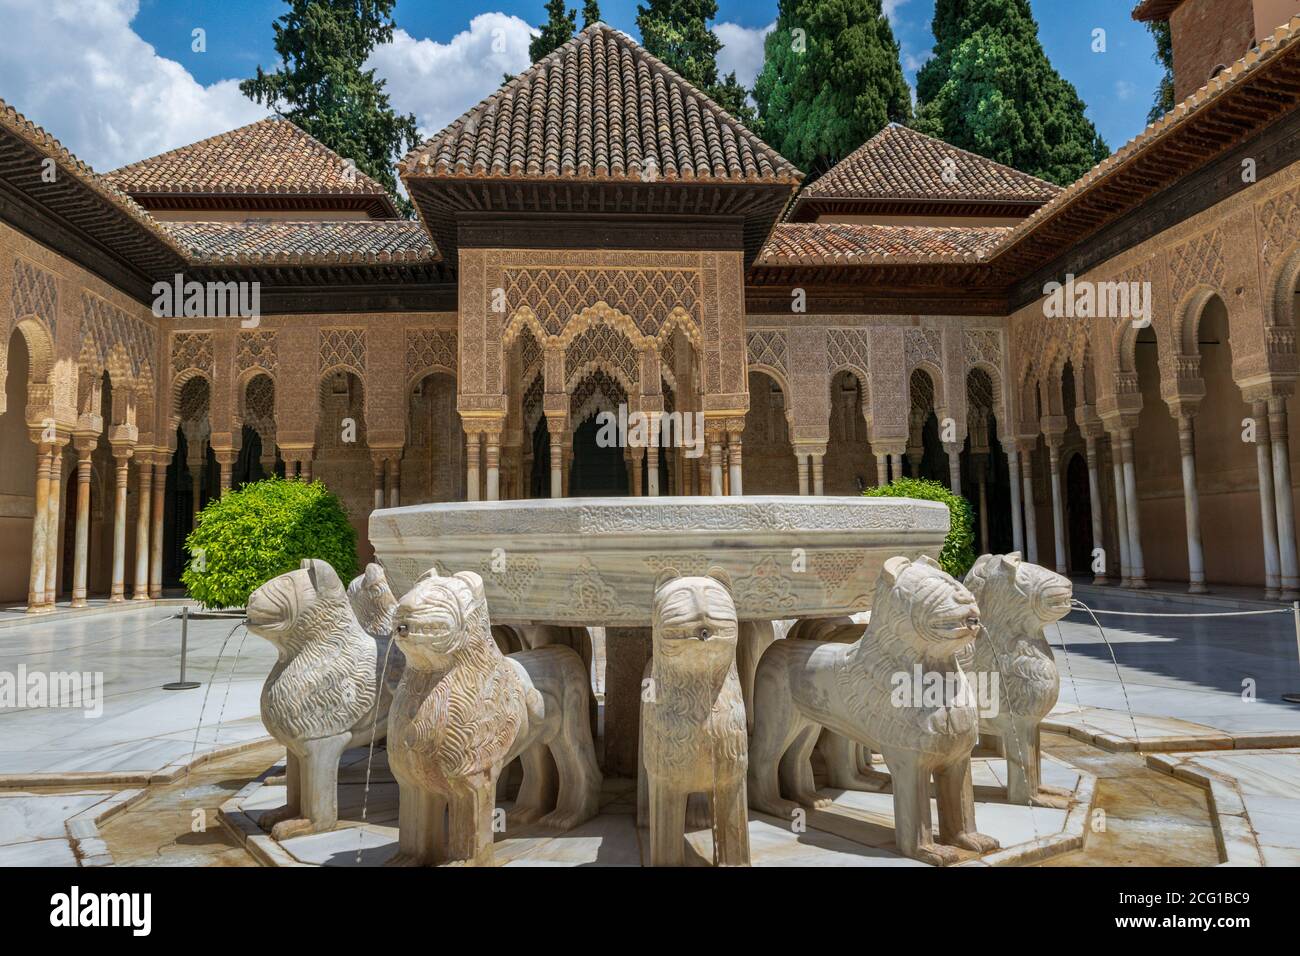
x=599, y=107
x=900, y=163
x=309, y=242
x=828, y=243
x=1155, y=9
x=268, y=158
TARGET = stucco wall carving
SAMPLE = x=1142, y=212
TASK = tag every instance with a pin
x=1197, y=262
x=35, y=293
x=104, y=326
x=429, y=348
x=191, y=350
x=257, y=349
x=343, y=348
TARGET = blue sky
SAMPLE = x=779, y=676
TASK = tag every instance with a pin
x=117, y=80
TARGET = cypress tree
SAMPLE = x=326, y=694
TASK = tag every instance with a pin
x=321, y=87
x=990, y=89
x=556, y=31
x=590, y=13
x=830, y=81
x=677, y=32
x=1164, y=55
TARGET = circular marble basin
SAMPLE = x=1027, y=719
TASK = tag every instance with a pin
x=595, y=561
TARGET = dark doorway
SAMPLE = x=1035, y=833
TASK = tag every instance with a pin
x=596, y=471
x=1078, y=510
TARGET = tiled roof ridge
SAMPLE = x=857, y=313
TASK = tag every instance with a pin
x=420, y=251
x=45, y=142
x=419, y=155
x=865, y=244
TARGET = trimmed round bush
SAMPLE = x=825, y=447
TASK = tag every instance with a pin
x=262, y=530
x=958, y=552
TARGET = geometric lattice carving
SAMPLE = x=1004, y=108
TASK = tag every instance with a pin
x=923, y=345
x=35, y=293
x=1279, y=218
x=103, y=325
x=343, y=347
x=259, y=408
x=195, y=396
x=429, y=348
x=191, y=350
x=256, y=350
x=847, y=348
x=1195, y=262
x=647, y=295
x=598, y=391
x=767, y=347
x=602, y=343
x=983, y=346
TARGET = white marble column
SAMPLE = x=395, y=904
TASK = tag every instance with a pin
x=715, y=466
x=1031, y=522
x=393, y=474
x=1191, y=505
x=882, y=470
x=819, y=482
x=122, y=460
x=1094, y=505
x=156, y=530
x=53, y=533
x=492, y=460
x=1282, y=494
x=473, y=485
x=896, y=465
x=1017, y=519
x=734, y=463
x=1137, y=565
x=1058, y=515
x=81, y=555
x=555, y=427
x=378, y=468
x=40, y=522
x=1267, y=505
x=144, y=496
x=801, y=458
x=954, y=468
x=1121, y=511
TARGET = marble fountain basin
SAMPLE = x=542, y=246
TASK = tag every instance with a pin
x=595, y=561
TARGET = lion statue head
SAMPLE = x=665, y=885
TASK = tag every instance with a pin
x=942, y=615
x=442, y=618
x=1017, y=596
x=695, y=620
x=373, y=601
x=300, y=606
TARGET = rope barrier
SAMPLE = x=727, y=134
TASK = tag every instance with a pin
x=1280, y=610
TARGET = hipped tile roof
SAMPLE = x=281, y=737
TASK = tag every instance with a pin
x=1155, y=9
x=271, y=157
x=900, y=163
x=599, y=107
x=825, y=243
x=278, y=242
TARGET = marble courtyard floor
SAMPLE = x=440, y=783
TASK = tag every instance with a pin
x=1226, y=767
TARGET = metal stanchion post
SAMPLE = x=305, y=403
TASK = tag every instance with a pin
x=1295, y=613
x=184, y=684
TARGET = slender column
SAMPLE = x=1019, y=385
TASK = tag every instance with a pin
x=1121, y=512
x=896, y=465
x=1017, y=519
x=1277, y=426
x=555, y=430
x=802, y=459
x=81, y=556
x=1136, y=563
x=1094, y=499
x=196, y=476
x=1191, y=505
x=122, y=458
x=566, y=478
x=492, y=462
x=734, y=463
x=54, y=535
x=225, y=467
x=394, y=475
x=954, y=467
x=377, y=468
x=1267, y=506
x=982, y=480
x=1031, y=523
x=703, y=471
x=819, y=483
x=304, y=470
x=40, y=523
x=715, y=466
x=1058, y=519
x=633, y=457
x=144, y=487
x=156, y=534
x=882, y=470
x=472, y=453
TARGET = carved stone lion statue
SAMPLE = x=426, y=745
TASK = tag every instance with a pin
x=1018, y=600
x=464, y=710
x=693, y=737
x=921, y=620
x=320, y=697
x=375, y=606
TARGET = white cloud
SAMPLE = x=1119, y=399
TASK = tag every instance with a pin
x=891, y=8
x=78, y=69
x=1124, y=90
x=742, y=50
x=440, y=81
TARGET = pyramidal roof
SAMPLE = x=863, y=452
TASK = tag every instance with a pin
x=901, y=164
x=599, y=107
x=269, y=158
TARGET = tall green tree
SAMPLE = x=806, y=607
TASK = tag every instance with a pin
x=991, y=89
x=590, y=13
x=677, y=32
x=556, y=31
x=830, y=81
x=1164, y=55
x=322, y=88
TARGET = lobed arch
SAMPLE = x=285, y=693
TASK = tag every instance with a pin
x=177, y=412
x=939, y=398
x=1280, y=302
x=996, y=403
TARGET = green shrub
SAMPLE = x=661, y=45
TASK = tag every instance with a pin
x=958, y=552
x=262, y=530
